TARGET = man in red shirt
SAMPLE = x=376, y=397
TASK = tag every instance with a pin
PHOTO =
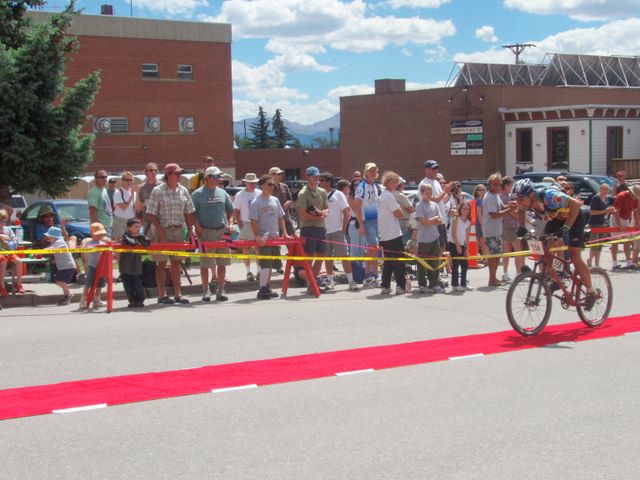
x=626, y=205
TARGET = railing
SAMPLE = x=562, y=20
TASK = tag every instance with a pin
x=631, y=166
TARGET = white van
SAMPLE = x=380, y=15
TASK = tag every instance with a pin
x=19, y=204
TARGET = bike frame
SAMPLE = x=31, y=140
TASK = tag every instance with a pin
x=545, y=262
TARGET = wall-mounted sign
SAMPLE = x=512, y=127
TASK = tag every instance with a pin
x=465, y=123
x=474, y=137
x=475, y=145
x=463, y=130
x=458, y=151
x=475, y=151
x=457, y=145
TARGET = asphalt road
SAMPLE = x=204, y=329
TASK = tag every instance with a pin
x=565, y=412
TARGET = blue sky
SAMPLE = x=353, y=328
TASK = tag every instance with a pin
x=302, y=55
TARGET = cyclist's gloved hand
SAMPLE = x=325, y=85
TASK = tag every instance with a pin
x=522, y=232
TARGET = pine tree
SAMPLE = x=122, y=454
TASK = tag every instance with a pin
x=281, y=137
x=260, y=137
x=41, y=147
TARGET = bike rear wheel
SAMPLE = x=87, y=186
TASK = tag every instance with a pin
x=528, y=303
x=604, y=299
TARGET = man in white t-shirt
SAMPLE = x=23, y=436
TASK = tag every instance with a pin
x=241, y=212
x=124, y=201
x=336, y=224
x=366, y=204
x=440, y=196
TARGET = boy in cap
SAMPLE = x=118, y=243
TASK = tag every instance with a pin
x=65, y=264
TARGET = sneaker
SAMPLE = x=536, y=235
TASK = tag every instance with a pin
x=506, y=277
x=589, y=301
x=423, y=289
x=629, y=266
x=66, y=300
x=166, y=300
x=377, y=282
x=457, y=288
x=4, y=292
x=400, y=291
x=19, y=289
x=437, y=289
x=181, y=300
x=354, y=286
x=131, y=305
x=385, y=291
x=273, y=293
x=97, y=303
x=369, y=282
x=616, y=266
x=83, y=302
x=139, y=305
x=468, y=288
x=250, y=277
x=220, y=297
x=263, y=294
x=206, y=296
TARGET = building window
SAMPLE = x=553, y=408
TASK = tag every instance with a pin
x=185, y=72
x=524, y=145
x=558, y=148
x=150, y=70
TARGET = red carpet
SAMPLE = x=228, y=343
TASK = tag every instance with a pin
x=43, y=399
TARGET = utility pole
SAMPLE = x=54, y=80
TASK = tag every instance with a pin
x=518, y=48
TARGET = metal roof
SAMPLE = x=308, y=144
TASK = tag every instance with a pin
x=557, y=69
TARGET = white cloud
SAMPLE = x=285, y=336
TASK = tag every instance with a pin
x=486, y=33
x=335, y=23
x=172, y=7
x=584, y=10
x=426, y=86
x=406, y=52
x=435, y=55
x=395, y=4
x=349, y=90
x=619, y=37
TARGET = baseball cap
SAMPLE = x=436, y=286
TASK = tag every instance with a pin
x=431, y=164
x=275, y=171
x=213, y=172
x=313, y=172
x=369, y=166
x=53, y=232
x=97, y=229
x=401, y=180
x=173, y=167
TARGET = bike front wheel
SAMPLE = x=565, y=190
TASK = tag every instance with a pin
x=599, y=312
x=528, y=303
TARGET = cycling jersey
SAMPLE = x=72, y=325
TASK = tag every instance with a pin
x=555, y=202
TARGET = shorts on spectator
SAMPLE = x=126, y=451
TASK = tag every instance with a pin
x=119, y=227
x=442, y=230
x=214, y=235
x=336, y=244
x=12, y=257
x=371, y=232
x=510, y=234
x=91, y=274
x=594, y=237
x=270, y=250
x=64, y=275
x=172, y=235
x=314, y=239
x=246, y=232
x=494, y=244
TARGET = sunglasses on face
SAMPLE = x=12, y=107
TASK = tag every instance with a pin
x=102, y=176
x=269, y=184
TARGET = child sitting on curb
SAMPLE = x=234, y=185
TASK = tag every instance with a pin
x=65, y=264
x=98, y=237
x=131, y=264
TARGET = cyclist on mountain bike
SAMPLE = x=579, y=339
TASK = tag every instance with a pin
x=565, y=218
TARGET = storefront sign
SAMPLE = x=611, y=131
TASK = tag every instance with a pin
x=465, y=123
x=474, y=137
x=475, y=151
x=459, y=151
x=457, y=145
x=475, y=145
x=463, y=130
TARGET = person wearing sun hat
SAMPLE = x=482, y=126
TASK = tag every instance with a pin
x=65, y=264
x=169, y=208
x=241, y=212
x=98, y=237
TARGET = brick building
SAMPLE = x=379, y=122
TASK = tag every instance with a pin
x=486, y=122
x=165, y=94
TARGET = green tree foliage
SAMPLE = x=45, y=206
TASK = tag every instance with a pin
x=281, y=137
x=260, y=137
x=41, y=147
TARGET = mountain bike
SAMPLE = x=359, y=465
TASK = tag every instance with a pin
x=531, y=292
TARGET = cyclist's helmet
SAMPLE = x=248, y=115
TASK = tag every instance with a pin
x=522, y=188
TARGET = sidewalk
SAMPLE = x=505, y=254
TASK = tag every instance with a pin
x=47, y=293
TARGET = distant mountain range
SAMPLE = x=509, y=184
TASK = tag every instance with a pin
x=304, y=133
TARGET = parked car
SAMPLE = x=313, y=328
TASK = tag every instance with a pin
x=75, y=212
x=18, y=204
x=585, y=185
x=470, y=183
